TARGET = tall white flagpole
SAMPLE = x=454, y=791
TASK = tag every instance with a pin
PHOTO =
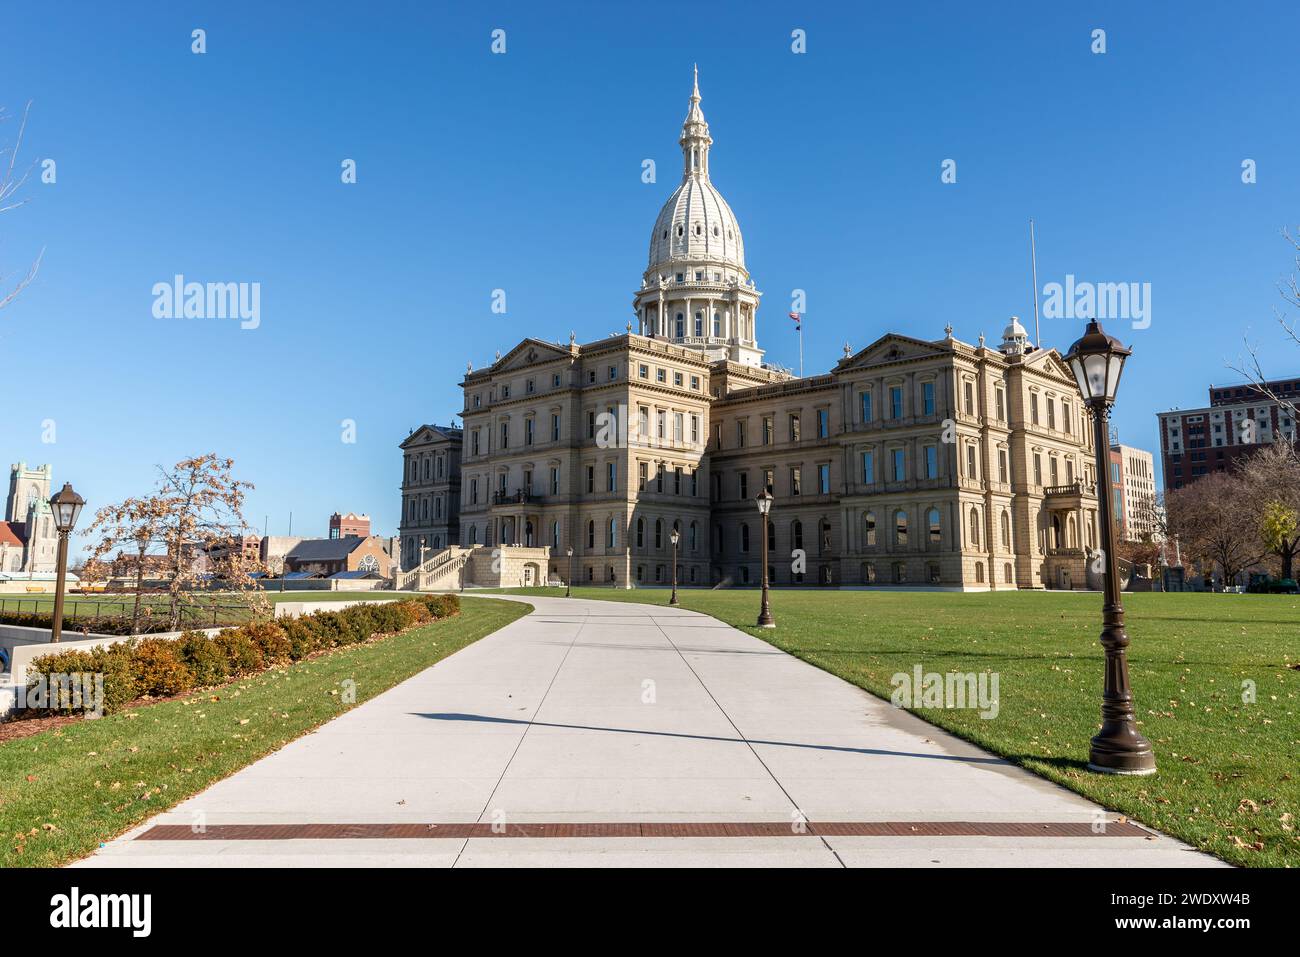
x=801, y=318
x=1033, y=259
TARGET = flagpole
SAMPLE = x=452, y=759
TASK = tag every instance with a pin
x=1033, y=259
x=801, y=347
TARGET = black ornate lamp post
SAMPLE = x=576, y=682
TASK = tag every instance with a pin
x=66, y=506
x=764, y=500
x=675, y=537
x=568, y=582
x=1118, y=748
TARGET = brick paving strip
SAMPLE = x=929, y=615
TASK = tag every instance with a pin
x=318, y=832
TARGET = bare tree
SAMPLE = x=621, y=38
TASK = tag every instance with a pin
x=11, y=181
x=134, y=525
x=202, y=513
x=1271, y=477
x=1215, y=523
x=195, y=518
x=1251, y=367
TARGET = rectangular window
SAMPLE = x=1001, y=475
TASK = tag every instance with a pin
x=824, y=479
x=695, y=482
x=794, y=427
x=643, y=421
x=767, y=430
x=970, y=461
x=505, y=435
x=970, y=398
x=927, y=397
x=742, y=485
x=661, y=424
x=796, y=481
x=695, y=383
x=896, y=401
x=1002, y=465
x=591, y=478
x=643, y=371
x=613, y=373
x=823, y=423
x=677, y=379
x=591, y=425
x=555, y=381
x=931, y=462
x=1001, y=405
x=740, y=433
x=866, y=408
x=677, y=480
x=611, y=477
x=868, y=468
x=1033, y=407
x=555, y=426
x=642, y=473
x=695, y=430
x=900, y=466
x=555, y=481
x=660, y=375
x=769, y=481
x=1038, y=469
x=1051, y=413
x=528, y=431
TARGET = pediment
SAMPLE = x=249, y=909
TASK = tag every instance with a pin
x=1049, y=362
x=528, y=353
x=889, y=348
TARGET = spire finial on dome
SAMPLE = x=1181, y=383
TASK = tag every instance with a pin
x=695, y=140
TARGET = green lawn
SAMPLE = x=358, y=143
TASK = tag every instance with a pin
x=1229, y=772
x=66, y=790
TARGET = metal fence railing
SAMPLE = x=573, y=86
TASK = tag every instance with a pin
x=191, y=616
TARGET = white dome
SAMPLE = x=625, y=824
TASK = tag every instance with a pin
x=1014, y=330
x=696, y=225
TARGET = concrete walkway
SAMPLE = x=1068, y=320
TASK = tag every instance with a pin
x=590, y=712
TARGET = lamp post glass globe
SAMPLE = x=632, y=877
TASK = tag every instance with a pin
x=1097, y=361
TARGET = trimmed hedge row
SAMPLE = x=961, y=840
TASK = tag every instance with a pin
x=104, y=625
x=158, y=667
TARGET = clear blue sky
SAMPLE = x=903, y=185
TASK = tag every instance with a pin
x=523, y=172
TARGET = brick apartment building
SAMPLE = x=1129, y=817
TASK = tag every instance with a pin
x=1195, y=442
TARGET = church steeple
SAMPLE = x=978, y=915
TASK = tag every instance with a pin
x=695, y=139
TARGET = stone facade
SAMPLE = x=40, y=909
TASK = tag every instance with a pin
x=933, y=463
x=28, y=541
x=430, y=493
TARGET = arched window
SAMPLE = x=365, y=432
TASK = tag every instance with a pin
x=796, y=533
x=744, y=537
x=591, y=534
x=869, y=528
x=932, y=519
x=975, y=529
x=900, y=528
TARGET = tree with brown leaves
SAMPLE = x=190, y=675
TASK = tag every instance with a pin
x=1216, y=524
x=193, y=515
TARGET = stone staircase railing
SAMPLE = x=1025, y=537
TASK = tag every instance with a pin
x=435, y=571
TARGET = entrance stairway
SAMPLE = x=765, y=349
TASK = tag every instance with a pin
x=439, y=572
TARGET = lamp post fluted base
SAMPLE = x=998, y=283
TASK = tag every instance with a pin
x=1129, y=754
